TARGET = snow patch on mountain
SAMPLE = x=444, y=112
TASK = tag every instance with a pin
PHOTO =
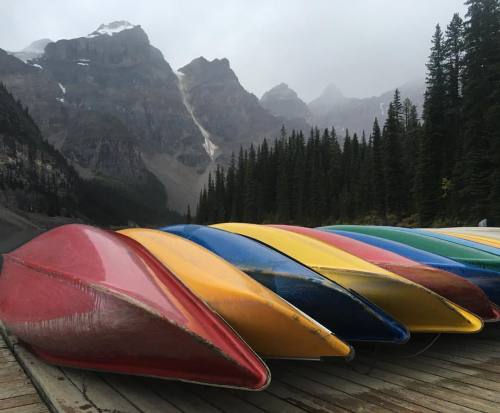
x=208, y=145
x=111, y=28
x=63, y=89
x=37, y=66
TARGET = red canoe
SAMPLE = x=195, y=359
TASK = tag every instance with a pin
x=448, y=285
x=81, y=297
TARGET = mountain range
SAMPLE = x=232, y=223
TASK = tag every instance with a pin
x=122, y=117
x=332, y=108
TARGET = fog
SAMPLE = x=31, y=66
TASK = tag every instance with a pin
x=365, y=47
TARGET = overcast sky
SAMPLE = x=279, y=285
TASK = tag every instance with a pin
x=365, y=47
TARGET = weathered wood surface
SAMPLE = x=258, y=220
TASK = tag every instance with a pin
x=458, y=373
x=17, y=393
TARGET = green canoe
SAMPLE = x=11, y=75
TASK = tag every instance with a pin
x=460, y=253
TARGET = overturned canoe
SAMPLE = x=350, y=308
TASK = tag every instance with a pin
x=419, y=309
x=487, y=280
x=461, y=253
x=485, y=238
x=269, y=324
x=451, y=286
x=488, y=232
x=490, y=249
x=81, y=297
x=323, y=300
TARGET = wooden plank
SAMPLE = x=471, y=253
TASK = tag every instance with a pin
x=15, y=374
x=8, y=363
x=302, y=400
x=419, y=382
x=97, y=392
x=57, y=391
x=470, y=352
x=16, y=388
x=478, y=378
x=361, y=391
x=484, y=346
x=10, y=371
x=424, y=403
x=19, y=401
x=464, y=361
x=224, y=400
x=5, y=354
x=451, y=380
x=280, y=398
x=330, y=394
x=453, y=365
x=180, y=396
x=138, y=394
x=31, y=408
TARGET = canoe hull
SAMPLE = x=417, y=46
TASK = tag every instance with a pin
x=485, y=279
x=460, y=241
x=456, y=289
x=419, y=309
x=282, y=331
x=414, y=238
x=326, y=302
x=85, y=322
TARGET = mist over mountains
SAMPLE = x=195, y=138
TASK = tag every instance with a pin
x=120, y=115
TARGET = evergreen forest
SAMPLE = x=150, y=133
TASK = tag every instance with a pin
x=438, y=167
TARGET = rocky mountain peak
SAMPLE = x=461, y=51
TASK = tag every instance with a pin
x=33, y=50
x=37, y=46
x=281, y=91
x=283, y=101
x=332, y=93
x=201, y=70
x=112, y=28
x=117, y=44
x=330, y=96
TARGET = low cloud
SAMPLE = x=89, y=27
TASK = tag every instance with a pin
x=364, y=46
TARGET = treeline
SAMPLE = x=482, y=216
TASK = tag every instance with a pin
x=441, y=170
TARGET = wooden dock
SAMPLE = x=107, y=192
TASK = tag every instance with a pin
x=17, y=393
x=458, y=373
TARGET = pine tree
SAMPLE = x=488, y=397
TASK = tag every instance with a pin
x=432, y=148
x=396, y=183
x=481, y=108
x=378, y=170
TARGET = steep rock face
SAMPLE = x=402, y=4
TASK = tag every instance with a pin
x=121, y=74
x=109, y=102
x=283, y=101
x=100, y=145
x=33, y=175
x=231, y=115
x=358, y=114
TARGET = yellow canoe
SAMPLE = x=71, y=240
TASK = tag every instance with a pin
x=483, y=237
x=269, y=324
x=420, y=309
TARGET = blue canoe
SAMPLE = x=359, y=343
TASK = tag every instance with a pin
x=349, y=315
x=487, y=280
